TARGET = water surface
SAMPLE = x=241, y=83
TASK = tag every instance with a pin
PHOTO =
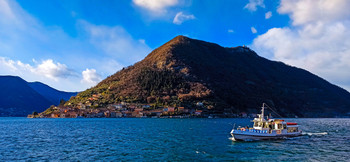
x=138, y=139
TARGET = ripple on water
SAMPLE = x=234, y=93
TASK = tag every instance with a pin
x=165, y=140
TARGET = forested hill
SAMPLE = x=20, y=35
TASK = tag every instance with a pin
x=185, y=71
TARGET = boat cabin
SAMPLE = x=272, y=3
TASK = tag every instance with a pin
x=278, y=126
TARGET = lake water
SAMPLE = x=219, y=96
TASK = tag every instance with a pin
x=136, y=139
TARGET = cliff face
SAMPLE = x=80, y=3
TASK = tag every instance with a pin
x=185, y=71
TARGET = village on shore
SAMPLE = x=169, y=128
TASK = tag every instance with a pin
x=129, y=110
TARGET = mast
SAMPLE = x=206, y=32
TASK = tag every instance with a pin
x=262, y=111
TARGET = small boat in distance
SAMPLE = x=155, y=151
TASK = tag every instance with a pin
x=266, y=129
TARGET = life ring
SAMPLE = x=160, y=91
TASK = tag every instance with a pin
x=242, y=129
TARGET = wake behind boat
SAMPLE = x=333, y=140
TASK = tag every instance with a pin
x=266, y=129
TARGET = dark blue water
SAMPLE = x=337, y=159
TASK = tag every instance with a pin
x=166, y=140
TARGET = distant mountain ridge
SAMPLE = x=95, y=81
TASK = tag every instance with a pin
x=185, y=71
x=50, y=93
x=20, y=98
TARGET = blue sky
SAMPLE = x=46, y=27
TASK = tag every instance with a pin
x=73, y=44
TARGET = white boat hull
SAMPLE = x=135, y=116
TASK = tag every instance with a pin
x=238, y=135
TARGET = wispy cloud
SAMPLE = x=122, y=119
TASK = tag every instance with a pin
x=156, y=5
x=254, y=4
x=180, y=17
x=268, y=15
x=116, y=42
x=318, y=40
x=253, y=30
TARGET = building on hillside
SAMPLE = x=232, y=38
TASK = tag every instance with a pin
x=118, y=115
x=88, y=104
x=200, y=104
x=62, y=115
x=127, y=113
x=198, y=112
x=157, y=113
x=107, y=114
x=169, y=109
x=81, y=106
x=118, y=107
x=55, y=115
x=138, y=109
x=71, y=114
x=137, y=114
x=180, y=109
x=112, y=114
x=146, y=106
x=132, y=107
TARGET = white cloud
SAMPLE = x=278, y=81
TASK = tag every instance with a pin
x=180, y=17
x=46, y=68
x=46, y=71
x=318, y=40
x=253, y=30
x=268, y=15
x=311, y=11
x=230, y=31
x=91, y=77
x=53, y=70
x=60, y=57
x=155, y=5
x=253, y=4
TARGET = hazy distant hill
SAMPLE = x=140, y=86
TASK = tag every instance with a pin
x=20, y=98
x=50, y=93
x=185, y=71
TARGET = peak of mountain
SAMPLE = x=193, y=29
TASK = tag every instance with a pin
x=185, y=71
x=20, y=98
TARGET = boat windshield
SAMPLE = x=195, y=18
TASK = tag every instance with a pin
x=279, y=126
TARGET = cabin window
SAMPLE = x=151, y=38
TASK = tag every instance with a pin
x=292, y=129
x=279, y=126
x=255, y=124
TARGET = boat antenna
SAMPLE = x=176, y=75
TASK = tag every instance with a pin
x=272, y=110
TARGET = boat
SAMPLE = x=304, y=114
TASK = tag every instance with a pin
x=266, y=129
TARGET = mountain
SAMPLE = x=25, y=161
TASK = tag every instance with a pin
x=20, y=98
x=185, y=71
x=50, y=93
